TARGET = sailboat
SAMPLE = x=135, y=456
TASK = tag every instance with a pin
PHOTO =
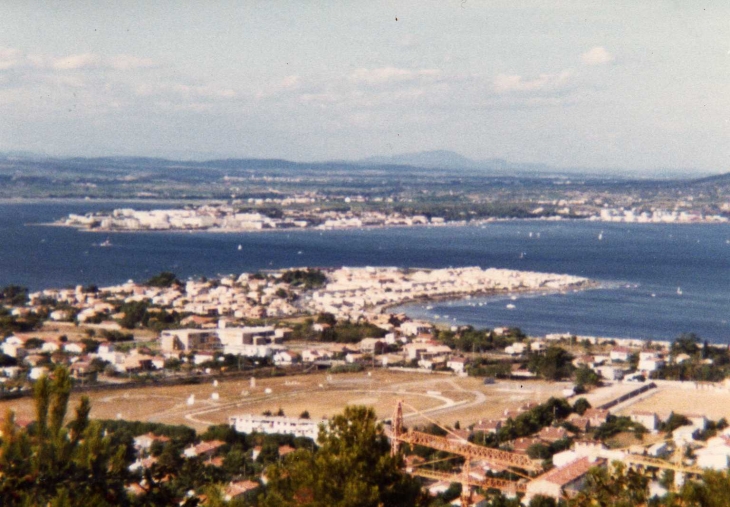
x=679, y=291
x=600, y=236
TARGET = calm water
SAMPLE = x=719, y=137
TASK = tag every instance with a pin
x=635, y=260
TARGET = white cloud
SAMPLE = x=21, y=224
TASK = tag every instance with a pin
x=597, y=56
x=127, y=62
x=391, y=74
x=506, y=83
x=75, y=62
x=9, y=58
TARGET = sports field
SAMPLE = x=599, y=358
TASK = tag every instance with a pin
x=445, y=399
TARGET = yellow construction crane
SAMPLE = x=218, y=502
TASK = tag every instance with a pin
x=507, y=459
x=467, y=450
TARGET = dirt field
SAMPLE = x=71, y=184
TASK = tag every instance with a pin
x=712, y=403
x=53, y=330
x=442, y=398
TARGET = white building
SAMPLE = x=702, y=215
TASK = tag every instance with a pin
x=249, y=423
x=647, y=419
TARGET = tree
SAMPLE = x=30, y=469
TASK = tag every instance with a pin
x=33, y=343
x=619, y=487
x=587, y=377
x=712, y=491
x=580, y=406
x=164, y=279
x=687, y=343
x=542, y=501
x=674, y=421
x=352, y=467
x=554, y=364
x=326, y=318
x=13, y=295
x=60, y=465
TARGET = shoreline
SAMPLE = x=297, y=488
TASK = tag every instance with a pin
x=581, y=286
x=474, y=223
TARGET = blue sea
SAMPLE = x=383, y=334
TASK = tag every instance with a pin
x=642, y=266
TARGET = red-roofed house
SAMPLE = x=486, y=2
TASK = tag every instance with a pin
x=203, y=449
x=240, y=489
x=562, y=481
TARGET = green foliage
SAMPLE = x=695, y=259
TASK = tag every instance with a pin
x=135, y=313
x=673, y=422
x=57, y=465
x=483, y=367
x=13, y=295
x=326, y=318
x=553, y=364
x=450, y=494
x=351, y=332
x=112, y=335
x=620, y=487
x=33, y=343
x=534, y=419
x=580, y=406
x=306, y=278
x=472, y=340
x=617, y=424
x=587, y=377
x=542, y=501
x=546, y=451
x=163, y=279
x=352, y=467
x=686, y=344
x=10, y=324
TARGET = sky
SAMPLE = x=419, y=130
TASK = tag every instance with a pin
x=639, y=85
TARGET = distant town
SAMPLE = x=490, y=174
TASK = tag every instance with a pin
x=226, y=218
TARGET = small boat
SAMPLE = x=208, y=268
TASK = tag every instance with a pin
x=240, y=247
x=106, y=242
x=679, y=291
x=511, y=306
x=653, y=295
x=600, y=236
x=300, y=252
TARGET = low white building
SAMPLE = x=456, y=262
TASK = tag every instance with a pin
x=716, y=455
x=457, y=364
x=249, y=423
x=647, y=419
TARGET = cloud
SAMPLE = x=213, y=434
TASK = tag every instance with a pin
x=75, y=62
x=9, y=58
x=597, y=56
x=183, y=91
x=289, y=83
x=507, y=83
x=391, y=74
x=127, y=62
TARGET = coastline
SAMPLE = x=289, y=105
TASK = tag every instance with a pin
x=473, y=223
x=582, y=286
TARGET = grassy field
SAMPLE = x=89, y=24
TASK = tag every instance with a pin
x=442, y=398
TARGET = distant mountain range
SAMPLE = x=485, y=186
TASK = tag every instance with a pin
x=444, y=160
